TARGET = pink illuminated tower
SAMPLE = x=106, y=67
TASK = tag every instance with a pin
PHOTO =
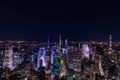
x=41, y=57
x=85, y=50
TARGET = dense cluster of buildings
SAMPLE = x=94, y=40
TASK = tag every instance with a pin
x=67, y=58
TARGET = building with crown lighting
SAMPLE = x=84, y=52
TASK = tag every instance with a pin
x=41, y=57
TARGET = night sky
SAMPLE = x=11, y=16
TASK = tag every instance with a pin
x=83, y=20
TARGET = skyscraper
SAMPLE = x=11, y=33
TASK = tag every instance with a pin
x=85, y=50
x=60, y=42
x=66, y=46
x=110, y=42
x=48, y=43
x=8, y=61
x=1, y=58
x=41, y=57
x=56, y=63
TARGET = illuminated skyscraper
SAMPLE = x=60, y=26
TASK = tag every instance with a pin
x=36, y=61
x=48, y=43
x=41, y=57
x=8, y=61
x=48, y=55
x=85, y=50
x=79, y=46
x=56, y=63
x=110, y=42
x=63, y=70
x=1, y=58
x=66, y=43
x=60, y=42
x=66, y=46
x=17, y=59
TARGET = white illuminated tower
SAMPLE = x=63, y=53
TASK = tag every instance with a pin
x=10, y=51
x=110, y=42
x=8, y=61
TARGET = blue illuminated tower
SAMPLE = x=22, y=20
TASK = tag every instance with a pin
x=56, y=63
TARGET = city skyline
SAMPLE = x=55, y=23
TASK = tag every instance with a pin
x=28, y=20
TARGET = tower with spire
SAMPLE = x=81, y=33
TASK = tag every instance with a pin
x=48, y=43
x=66, y=46
x=66, y=42
x=60, y=42
x=62, y=63
x=79, y=46
x=110, y=42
